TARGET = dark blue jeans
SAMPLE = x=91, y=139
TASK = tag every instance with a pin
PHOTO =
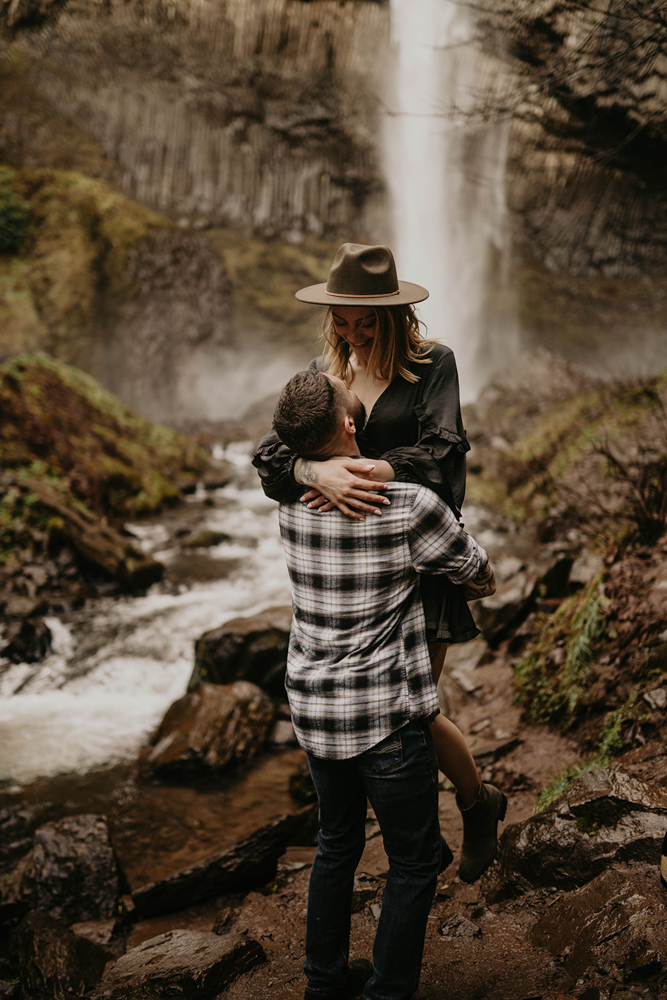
x=400, y=777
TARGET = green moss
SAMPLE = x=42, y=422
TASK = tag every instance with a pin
x=81, y=234
x=529, y=478
x=265, y=274
x=582, y=315
x=550, y=679
x=61, y=431
x=614, y=736
x=14, y=220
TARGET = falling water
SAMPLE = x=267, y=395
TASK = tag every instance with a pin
x=446, y=176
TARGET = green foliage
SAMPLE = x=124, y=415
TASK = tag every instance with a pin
x=640, y=469
x=81, y=235
x=14, y=219
x=615, y=735
x=551, y=678
x=79, y=444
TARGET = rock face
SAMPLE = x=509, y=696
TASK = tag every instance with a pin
x=586, y=188
x=109, y=286
x=53, y=962
x=210, y=729
x=180, y=964
x=607, y=816
x=259, y=116
x=612, y=930
x=248, y=863
x=252, y=649
x=71, y=873
x=157, y=340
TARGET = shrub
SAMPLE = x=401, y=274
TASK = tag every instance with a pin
x=14, y=220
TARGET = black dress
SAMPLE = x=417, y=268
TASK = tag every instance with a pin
x=417, y=428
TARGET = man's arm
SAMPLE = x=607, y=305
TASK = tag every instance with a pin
x=483, y=585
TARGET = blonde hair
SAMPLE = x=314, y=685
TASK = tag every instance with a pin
x=396, y=344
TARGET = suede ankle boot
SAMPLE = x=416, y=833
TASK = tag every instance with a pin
x=480, y=831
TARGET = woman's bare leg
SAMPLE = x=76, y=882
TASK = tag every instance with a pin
x=454, y=758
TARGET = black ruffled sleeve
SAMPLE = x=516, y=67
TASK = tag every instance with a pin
x=437, y=459
x=275, y=464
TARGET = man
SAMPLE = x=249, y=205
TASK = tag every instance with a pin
x=362, y=695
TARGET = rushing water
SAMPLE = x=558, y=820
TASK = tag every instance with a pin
x=118, y=663
x=446, y=178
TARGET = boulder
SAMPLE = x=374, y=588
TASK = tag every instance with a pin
x=180, y=964
x=209, y=730
x=249, y=863
x=28, y=641
x=512, y=602
x=613, y=929
x=71, y=873
x=252, y=649
x=54, y=963
x=606, y=817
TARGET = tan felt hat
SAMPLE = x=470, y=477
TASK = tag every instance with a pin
x=363, y=276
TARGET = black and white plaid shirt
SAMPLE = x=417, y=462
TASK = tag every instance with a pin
x=358, y=666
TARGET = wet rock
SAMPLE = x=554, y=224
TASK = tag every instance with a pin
x=496, y=616
x=607, y=817
x=16, y=829
x=585, y=568
x=29, y=641
x=205, y=539
x=71, y=873
x=614, y=928
x=459, y=926
x=283, y=733
x=225, y=920
x=108, y=934
x=252, y=649
x=17, y=606
x=249, y=863
x=53, y=962
x=210, y=729
x=180, y=963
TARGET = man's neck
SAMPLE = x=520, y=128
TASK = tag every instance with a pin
x=344, y=445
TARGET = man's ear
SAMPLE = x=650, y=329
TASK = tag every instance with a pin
x=349, y=425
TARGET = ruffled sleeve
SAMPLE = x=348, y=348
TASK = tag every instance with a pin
x=275, y=464
x=437, y=459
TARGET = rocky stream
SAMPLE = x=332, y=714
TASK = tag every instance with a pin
x=153, y=859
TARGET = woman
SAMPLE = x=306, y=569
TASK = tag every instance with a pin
x=413, y=433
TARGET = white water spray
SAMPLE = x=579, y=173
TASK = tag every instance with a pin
x=446, y=182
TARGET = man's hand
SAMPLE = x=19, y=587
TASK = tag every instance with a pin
x=483, y=585
x=346, y=483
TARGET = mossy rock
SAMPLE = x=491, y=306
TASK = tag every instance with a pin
x=76, y=246
x=75, y=460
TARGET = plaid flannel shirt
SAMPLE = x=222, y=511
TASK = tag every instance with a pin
x=358, y=666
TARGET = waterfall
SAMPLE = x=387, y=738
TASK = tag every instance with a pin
x=445, y=174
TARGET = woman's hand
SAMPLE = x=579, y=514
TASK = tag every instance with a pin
x=345, y=483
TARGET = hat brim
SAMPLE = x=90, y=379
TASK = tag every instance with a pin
x=317, y=295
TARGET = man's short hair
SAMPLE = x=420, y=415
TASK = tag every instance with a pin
x=307, y=413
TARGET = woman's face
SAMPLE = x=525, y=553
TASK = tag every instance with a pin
x=357, y=325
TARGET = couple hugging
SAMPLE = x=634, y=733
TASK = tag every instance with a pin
x=381, y=572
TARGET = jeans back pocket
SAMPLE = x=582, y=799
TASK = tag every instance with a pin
x=385, y=757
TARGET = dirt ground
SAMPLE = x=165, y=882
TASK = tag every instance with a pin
x=498, y=963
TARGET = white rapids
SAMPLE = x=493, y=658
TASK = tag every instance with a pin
x=118, y=663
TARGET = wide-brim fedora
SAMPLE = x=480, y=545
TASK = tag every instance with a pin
x=363, y=276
